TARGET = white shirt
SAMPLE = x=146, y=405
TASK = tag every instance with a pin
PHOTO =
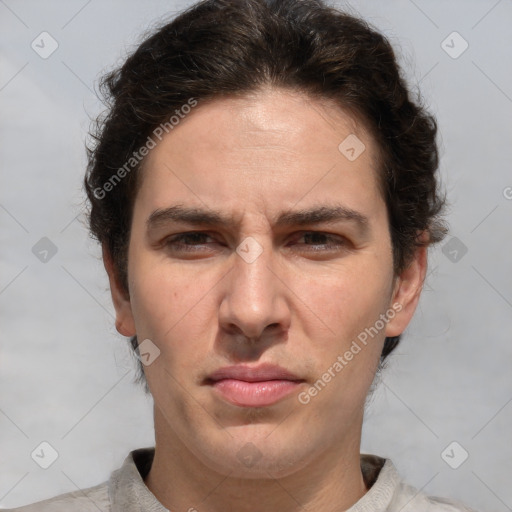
x=125, y=491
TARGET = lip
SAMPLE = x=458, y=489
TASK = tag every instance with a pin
x=257, y=386
x=262, y=372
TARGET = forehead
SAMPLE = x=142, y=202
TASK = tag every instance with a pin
x=273, y=117
x=274, y=147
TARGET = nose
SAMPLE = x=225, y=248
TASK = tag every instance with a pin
x=254, y=303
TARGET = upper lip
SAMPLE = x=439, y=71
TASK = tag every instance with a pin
x=258, y=373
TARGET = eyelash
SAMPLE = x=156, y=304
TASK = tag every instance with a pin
x=175, y=242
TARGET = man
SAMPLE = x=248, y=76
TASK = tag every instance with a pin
x=265, y=193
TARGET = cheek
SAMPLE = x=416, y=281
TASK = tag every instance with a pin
x=352, y=296
x=347, y=357
x=159, y=302
x=171, y=305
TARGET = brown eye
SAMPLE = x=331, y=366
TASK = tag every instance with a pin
x=318, y=241
x=192, y=242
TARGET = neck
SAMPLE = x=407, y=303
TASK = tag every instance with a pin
x=332, y=482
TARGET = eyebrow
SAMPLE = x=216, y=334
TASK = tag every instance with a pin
x=302, y=217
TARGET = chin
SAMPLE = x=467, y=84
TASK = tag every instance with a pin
x=253, y=459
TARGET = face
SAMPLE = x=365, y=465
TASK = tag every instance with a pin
x=257, y=243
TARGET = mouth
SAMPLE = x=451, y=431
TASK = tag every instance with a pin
x=258, y=386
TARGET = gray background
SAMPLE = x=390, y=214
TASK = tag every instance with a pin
x=66, y=375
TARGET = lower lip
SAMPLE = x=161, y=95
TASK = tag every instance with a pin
x=255, y=394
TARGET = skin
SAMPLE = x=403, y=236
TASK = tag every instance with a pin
x=252, y=157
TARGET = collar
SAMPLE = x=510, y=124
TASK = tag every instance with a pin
x=129, y=493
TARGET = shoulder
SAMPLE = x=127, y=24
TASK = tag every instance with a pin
x=409, y=499
x=387, y=492
x=92, y=499
x=124, y=490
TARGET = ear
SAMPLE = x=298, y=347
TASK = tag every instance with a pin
x=407, y=290
x=125, y=323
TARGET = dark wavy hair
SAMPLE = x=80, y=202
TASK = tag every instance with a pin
x=221, y=48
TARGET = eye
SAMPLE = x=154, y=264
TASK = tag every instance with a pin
x=308, y=241
x=194, y=241
x=317, y=241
